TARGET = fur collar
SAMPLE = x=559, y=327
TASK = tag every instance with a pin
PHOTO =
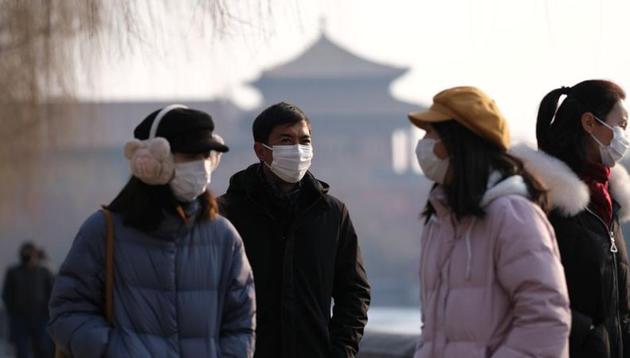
x=567, y=192
x=620, y=190
x=514, y=185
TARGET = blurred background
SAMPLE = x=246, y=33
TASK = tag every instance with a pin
x=78, y=75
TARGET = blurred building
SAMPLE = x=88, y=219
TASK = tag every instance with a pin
x=358, y=128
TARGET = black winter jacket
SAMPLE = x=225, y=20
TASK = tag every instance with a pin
x=304, y=252
x=595, y=261
x=26, y=292
x=594, y=257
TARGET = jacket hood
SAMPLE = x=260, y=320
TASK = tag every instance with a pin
x=496, y=188
x=514, y=185
x=568, y=193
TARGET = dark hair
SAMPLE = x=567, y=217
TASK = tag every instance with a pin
x=278, y=114
x=472, y=160
x=559, y=130
x=26, y=246
x=143, y=206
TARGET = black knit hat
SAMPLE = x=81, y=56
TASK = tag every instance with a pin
x=187, y=130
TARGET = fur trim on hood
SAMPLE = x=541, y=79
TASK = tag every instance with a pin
x=514, y=185
x=620, y=190
x=568, y=193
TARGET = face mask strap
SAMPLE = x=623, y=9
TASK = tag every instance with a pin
x=603, y=123
x=597, y=140
x=271, y=149
x=191, y=164
x=432, y=140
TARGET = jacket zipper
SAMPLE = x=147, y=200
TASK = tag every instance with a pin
x=613, y=251
x=263, y=209
x=611, y=234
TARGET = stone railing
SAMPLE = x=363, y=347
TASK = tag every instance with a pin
x=375, y=344
x=378, y=344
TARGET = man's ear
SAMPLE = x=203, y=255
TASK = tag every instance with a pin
x=259, y=149
x=588, y=122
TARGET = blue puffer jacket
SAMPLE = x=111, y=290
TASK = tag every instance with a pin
x=185, y=290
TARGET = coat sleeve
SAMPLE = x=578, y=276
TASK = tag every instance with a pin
x=528, y=267
x=77, y=324
x=238, y=323
x=580, y=327
x=7, y=289
x=50, y=283
x=351, y=293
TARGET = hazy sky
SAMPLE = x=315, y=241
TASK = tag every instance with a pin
x=514, y=50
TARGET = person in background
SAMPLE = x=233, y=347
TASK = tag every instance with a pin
x=182, y=284
x=26, y=291
x=301, y=243
x=491, y=281
x=44, y=260
x=580, y=144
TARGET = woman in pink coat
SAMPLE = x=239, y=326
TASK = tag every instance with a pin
x=491, y=280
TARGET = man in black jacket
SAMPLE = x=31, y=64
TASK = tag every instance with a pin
x=301, y=244
x=25, y=294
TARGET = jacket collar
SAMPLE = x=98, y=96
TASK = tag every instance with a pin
x=619, y=185
x=438, y=200
x=568, y=194
x=250, y=183
x=497, y=187
x=173, y=225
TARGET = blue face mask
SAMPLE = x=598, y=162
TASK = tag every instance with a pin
x=612, y=153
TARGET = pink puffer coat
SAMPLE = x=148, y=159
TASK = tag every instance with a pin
x=492, y=286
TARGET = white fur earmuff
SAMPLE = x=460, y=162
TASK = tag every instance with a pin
x=151, y=160
x=620, y=190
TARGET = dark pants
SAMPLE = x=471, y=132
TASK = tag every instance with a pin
x=29, y=336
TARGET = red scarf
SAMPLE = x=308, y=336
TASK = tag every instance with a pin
x=596, y=178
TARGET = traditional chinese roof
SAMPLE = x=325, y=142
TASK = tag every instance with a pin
x=327, y=60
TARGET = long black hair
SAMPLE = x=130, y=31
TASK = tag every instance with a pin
x=559, y=130
x=472, y=160
x=144, y=206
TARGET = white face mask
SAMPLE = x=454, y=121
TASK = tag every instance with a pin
x=191, y=179
x=433, y=167
x=290, y=162
x=618, y=146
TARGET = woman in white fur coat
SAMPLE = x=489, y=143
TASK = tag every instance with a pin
x=581, y=143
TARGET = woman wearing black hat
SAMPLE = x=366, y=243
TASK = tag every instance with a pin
x=182, y=283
